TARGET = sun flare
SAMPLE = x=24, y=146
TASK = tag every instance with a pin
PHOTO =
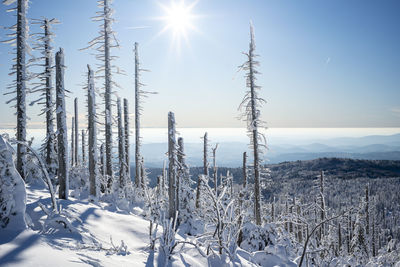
x=179, y=20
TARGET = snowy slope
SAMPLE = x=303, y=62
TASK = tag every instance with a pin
x=91, y=245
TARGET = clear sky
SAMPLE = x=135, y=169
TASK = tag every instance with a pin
x=323, y=63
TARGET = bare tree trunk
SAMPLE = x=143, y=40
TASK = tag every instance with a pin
x=205, y=152
x=73, y=141
x=51, y=140
x=214, y=151
x=323, y=213
x=137, y=118
x=76, y=132
x=126, y=127
x=92, y=128
x=83, y=148
x=255, y=134
x=205, y=167
x=244, y=169
x=172, y=165
x=121, y=147
x=102, y=166
x=61, y=127
x=366, y=211
x=181, y=166
x=108, y=92
x=21, y=85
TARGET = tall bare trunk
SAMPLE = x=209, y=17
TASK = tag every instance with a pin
x=62, y=137
x=244, y=167
x=108, y=92
x=121, y=147
x=215, y=174
x=92, y=129
x=21, y=85
x=51, y=140
x=76, y=132
x=171, y=165
x=73, y=141
x=126, y=127
x=137, y=118
x=83, y=148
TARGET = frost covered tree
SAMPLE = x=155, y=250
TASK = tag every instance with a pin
x=92, y=128
x=250, y=105
x=205, y=169
x=126, y=134
x=72, y=141
x=12, y=190
x=19, y=36
x=103, y=45
x=121, y=147
x=43, y=44
x=76, y=133
x=62, y=138
x=172, y=166
x=83, y=137
x=215, y=169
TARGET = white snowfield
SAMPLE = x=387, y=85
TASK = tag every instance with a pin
x=91, y=245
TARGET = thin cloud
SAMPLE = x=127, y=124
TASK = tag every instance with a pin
x=137, y=27
x=396, y=111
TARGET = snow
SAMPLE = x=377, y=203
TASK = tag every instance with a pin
x=91, y=245
x=12, y=191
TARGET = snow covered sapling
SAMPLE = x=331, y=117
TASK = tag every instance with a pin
x=12, y=190
x=251, y=104
x=227, y=223
x=62, y=138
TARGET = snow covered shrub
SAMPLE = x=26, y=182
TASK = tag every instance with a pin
x=256, y=237
x=12, y=190
x=79, y=181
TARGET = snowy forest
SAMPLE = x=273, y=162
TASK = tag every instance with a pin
x=81, y=199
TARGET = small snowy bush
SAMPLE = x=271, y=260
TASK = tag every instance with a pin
x=12, y=190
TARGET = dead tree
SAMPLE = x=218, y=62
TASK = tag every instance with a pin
x=45, y=87
x=137, y=118
x=83, y=148
x=62, y=137
x=251, y=104
x=121, y=146
x=322, y=204
x=73, y=141
x=76, y=146
x=215, y=174
x=205, y=167
x=19, y=38
x=244, y=167
x=92, y=128
x=103, y=45
x=172, y=165
x=126, y=128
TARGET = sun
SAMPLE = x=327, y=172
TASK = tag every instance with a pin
x=178, y=20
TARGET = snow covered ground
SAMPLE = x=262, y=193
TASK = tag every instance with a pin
x=101, y=229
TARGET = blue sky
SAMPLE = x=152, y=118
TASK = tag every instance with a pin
x=323, y=63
